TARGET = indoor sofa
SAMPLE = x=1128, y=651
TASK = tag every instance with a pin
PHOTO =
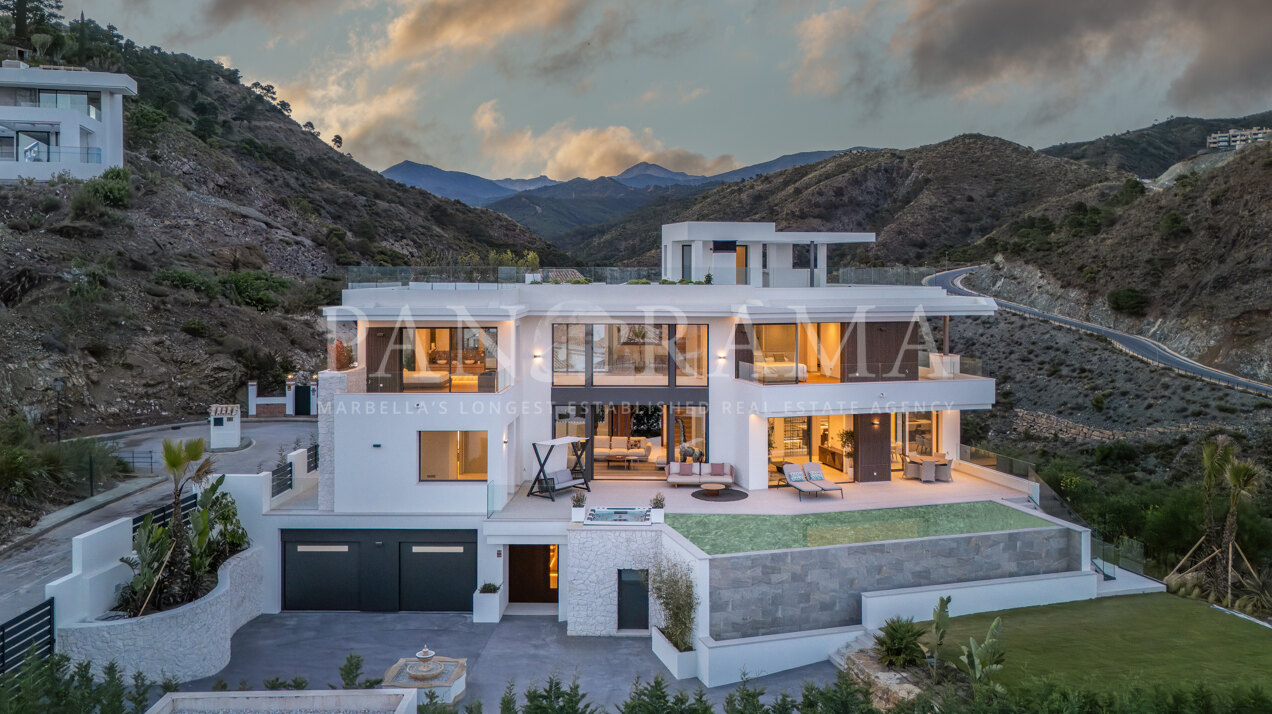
x=634, y=447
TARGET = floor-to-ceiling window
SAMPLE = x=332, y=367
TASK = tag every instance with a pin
x=691, y=355
x=569, y=354
x=634, y=440
x=629, y=354
x=449, y=359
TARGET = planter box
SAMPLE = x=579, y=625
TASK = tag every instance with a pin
x=188, y=642
x=488, y=607
x=577, y=514
x=657, y=515
x=682, y=665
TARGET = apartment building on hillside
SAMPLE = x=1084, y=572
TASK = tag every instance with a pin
x=1237, y=138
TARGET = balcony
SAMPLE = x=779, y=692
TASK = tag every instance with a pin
x=40, y=153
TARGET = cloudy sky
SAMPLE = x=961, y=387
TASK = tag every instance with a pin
x=588, y=87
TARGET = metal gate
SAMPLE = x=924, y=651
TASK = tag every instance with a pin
x=28, y=634
x=302, y=400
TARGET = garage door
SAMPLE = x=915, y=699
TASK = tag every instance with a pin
x=379, y=570
x=320, y=575
x=437, y=577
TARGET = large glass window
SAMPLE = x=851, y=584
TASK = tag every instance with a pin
x=776, y=354
x=453, y=455
x=629, y=354
x=569, y=355
x=688, y=435
x=691, y=355
x=920, y=433
x=448, y=359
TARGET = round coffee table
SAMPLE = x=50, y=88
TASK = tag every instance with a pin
x=713, y=489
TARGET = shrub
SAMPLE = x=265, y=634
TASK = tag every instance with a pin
x=145, y=119
x=658, y=501
x=671, y=584
x=254, y=288
x=1128, y=300
x=579, y=499
x=113, y=189
x=186, y=280
x=638, y=281
x=195, y=328
x=1097, y=402
x=50, y=204
x=898, y=643
x=488, y=588
x=1173, y=225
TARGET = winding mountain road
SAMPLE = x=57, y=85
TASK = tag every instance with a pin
x=1155, y=352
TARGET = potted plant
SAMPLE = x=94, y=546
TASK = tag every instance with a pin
x=487, y=603
x=848, y=442
x=656, y=505
x=578, y=507
x=671, y=585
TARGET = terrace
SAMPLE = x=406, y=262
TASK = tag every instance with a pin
x=970, y=483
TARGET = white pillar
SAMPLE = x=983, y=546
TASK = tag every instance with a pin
x=251, y=397
x=951, y=432
x=290, y=394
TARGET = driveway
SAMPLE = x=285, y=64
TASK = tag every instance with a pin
x=267, y=436
x=1137, y=345
x=25, y=569
x=524, y=650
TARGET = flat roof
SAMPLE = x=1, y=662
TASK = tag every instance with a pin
x=75, y=80
x=754, y=232
x=652, y=303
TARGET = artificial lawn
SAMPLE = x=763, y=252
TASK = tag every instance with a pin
x=722, y=533
x=1153, y=640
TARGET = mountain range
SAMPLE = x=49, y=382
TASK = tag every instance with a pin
x=478, y=191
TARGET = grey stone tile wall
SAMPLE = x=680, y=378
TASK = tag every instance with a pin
x=756, y=594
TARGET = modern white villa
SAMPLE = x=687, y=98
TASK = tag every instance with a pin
x=806, y=441
x=60, y=120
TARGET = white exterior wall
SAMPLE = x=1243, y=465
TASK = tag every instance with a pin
x=75, y=128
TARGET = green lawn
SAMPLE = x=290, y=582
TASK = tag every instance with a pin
x=1154, y=639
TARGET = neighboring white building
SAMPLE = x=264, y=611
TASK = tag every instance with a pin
x=225, y=427
x=56, y=120
x=429, y=449
x=1237, y=138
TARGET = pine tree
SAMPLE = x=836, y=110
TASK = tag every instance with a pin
x=30, y=14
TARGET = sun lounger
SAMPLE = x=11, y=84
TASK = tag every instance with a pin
x=813, y=472
x=795, y=477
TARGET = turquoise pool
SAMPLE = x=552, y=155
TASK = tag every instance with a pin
x=718, y=534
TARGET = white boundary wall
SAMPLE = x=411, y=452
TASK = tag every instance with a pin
x=978, y=596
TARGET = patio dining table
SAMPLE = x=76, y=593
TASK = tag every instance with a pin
x=932, y=468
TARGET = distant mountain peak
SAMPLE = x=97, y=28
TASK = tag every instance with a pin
x=646, y=168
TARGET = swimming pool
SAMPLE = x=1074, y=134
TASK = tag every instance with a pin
x=718, y=534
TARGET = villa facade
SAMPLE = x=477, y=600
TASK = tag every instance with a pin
x=448, y=407
x=60, y=120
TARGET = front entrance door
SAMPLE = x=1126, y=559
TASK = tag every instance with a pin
x=532, y=573
x=874, y=447
x=302, y=399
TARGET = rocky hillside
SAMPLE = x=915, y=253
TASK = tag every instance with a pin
x=1150, y=151
x=1188, y=265
x=922, y=202
x=166, y=286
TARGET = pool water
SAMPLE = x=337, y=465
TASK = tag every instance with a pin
x=718, y=534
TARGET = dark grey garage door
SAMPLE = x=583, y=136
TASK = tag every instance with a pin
x=379, y=570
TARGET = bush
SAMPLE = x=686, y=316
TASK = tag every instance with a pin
x=187, y=280
x=254, y=288
x=113, y=189
x=195, y=328
x=50, y=204
x=1173, y=225
x=671, y=584
x=1129, y=301
x=898, y=643
x=488, y=588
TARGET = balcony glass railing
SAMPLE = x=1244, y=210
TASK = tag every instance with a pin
x=41, y=154
x=780, y=371
x=88, y=110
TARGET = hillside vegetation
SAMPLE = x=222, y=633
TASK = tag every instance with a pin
x=922, y=202
x=1187, y=265
x=165, y=285
x=1150, y=151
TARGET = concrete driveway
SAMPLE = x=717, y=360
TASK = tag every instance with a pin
x=268, y=438
x=524, y=650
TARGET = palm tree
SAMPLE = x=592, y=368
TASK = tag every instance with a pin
x=1216, y=456
x=178, y=459
x=1243, y=479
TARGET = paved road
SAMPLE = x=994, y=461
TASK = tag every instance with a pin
x=25, y=570
x=1137, y=345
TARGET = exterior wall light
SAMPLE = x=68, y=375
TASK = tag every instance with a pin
x=538, y=355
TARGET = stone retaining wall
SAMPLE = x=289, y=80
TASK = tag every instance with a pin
x=595, y=555
x=773, y=592
x=189, y=642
